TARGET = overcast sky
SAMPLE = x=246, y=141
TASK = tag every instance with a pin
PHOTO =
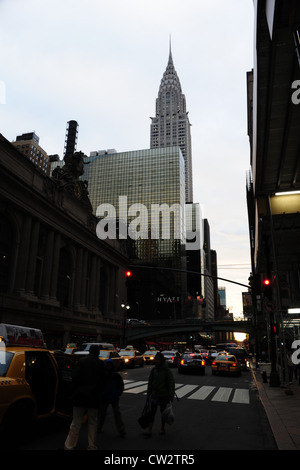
x=100, y=62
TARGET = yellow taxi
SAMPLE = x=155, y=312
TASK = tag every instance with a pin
x=149, y=356
x=132, y=357
x=225, y=363
x=114, y=356
x=35, y=382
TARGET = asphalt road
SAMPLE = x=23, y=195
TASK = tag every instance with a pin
x=213, y=413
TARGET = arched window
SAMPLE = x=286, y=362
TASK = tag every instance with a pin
x=64, y=278
x=103, y=290
x=6, y=237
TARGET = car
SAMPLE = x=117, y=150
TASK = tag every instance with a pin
x=225, y=363
x=172, y=358
x=191, y=363
x=35, y=382
x=107, y=351
x=241, y=355
x=85, y=347
x=132, y=357
x=149, y=356
x=213, y=354
x=134, y=322
x=224, y=346
x=205, y=354
x=118, y=361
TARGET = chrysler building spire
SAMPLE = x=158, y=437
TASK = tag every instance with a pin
x=171, y=126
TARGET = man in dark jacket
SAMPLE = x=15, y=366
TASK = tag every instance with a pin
x=88, y=381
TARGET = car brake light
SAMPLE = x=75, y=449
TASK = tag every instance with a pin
x=173, y=358
x=233, y=364
x=182, y=361
x=213, y=363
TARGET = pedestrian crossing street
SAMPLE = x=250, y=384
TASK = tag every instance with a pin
x=194, y=392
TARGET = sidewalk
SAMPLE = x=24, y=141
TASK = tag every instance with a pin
x=282, y=409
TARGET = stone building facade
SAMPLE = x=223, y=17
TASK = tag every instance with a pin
x=55, y=273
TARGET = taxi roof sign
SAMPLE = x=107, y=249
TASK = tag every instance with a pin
x=16, y=335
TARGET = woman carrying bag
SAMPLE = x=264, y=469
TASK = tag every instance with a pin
x=161, y=390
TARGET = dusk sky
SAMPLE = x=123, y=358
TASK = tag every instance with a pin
x=100, y=63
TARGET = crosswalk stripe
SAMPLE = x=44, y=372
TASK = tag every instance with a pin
x=180, y=392
x=201, y=393
x=140, y=389
x=222, y=394
x=134, y=384
x=241, y=395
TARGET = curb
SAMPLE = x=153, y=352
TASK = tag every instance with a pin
x=281, y=435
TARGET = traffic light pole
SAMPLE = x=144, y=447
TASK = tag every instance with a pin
x=274, y=376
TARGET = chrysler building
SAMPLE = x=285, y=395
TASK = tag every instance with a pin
x=171, y=126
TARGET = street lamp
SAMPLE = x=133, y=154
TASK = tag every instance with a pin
x=126, y=307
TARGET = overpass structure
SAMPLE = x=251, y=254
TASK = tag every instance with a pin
x=173, y=327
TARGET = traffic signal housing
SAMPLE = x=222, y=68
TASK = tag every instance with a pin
x=128, y=275
x=267, y=288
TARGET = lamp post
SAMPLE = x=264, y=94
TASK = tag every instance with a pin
x=125, y=307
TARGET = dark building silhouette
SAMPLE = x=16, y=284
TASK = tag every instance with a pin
x=55, y=273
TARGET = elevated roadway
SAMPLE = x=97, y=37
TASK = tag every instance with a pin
x=172, y=327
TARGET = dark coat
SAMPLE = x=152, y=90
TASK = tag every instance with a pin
x=114, y=384
x=161, y=384
x=88, y=381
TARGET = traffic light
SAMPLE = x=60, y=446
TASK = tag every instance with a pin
x=267, y=288
x=128, y=275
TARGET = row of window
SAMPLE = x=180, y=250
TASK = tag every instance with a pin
x=65, y=270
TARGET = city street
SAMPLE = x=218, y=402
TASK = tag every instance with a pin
x=213, y=413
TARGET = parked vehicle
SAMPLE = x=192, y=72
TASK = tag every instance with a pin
x=35, y=382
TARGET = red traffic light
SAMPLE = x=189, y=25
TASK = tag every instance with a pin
x=128, y=273
x=267, y=282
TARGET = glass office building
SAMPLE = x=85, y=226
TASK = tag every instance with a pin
x=140, y=196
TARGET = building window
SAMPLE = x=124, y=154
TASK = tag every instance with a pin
x=64, y=279
x=6, y=237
